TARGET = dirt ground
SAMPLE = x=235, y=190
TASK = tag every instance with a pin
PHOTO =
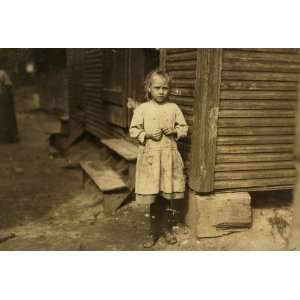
x=45, y=206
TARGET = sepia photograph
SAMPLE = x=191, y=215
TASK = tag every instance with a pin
x=149, y=149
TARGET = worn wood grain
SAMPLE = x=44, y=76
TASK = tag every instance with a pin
x=240, y=65
x=255, y=122
x=256, y=131
x=179, y=50
x=185, y=56
x=251, y=56
x=259, y=76
x=209, y=62
x=265, y=184
x=272, y=148
x=264, y=157
x=122, y=147
x=258, y=85
x=239, y=166
x=272, y=95
x=189, y=65
x=254, y=174
x=258, y=104
x=244, y=113
x=103, y=176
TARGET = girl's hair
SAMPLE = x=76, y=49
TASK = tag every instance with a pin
x=149, y=77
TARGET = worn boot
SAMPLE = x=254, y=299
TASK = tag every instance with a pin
x=168, y=223
x=154, y=232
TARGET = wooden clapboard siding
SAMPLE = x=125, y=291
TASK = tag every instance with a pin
x=97, y=110
x=95, y=122
x=181, y=64
x=256, y=122
x=75, y=66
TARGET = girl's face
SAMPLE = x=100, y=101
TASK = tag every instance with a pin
x=159, y=88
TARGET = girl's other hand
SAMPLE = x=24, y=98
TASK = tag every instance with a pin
x=168, y=131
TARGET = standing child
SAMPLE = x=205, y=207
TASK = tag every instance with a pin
x=157, y=124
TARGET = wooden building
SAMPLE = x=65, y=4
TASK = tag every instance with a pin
x=50, y=76
x=239, y=103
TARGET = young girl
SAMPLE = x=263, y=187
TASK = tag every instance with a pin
x=157, y=124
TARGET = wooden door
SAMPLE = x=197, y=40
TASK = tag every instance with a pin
x=141, y=62
x=115, y=87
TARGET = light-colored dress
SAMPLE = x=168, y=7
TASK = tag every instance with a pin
x=159, y=166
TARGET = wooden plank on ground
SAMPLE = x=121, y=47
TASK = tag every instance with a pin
x=122, y=147
x=103, y=176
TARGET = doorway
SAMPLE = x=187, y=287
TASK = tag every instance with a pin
x=124, y=74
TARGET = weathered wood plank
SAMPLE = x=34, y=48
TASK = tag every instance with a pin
x=254, y=174
x=240, y=65
x=180, y=50
x=273, y=148
x=256, y=131
x=187, y=101
x=254, y=183
x=244, y=113
x=259, y=76
x=255, y=166
x=255, y=122
x=258, y=104
x=232, y=95
x=264, y=157
x=162, y=58
x=251, y=56
x=259, y=85
x=103, y=176
x=270, y=50
x=183, y=83
x=183, y=74
x=205, y=121
x=294, y=242
x=255, y=140
x=190, y=65
x=122, y=147
x=185, y=56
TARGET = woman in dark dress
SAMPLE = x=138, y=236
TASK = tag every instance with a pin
x=8, y=123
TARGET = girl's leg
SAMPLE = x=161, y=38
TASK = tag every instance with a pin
x=169, y=220
x=152, y=215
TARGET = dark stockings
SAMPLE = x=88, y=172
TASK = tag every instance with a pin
x=162, y=217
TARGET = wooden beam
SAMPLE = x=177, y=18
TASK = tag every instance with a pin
x=162, y=59
x=294, y=242
x=207, y=94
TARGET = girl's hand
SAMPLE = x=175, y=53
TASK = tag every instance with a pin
x=155, y=136
x=168, y=131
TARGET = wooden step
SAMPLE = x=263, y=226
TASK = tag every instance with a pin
x=63, y=142
x=103, y=176
x=122, y=147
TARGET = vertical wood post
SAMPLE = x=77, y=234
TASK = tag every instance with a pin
x=206, y=108
x=162, y=59
x=294, y=242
